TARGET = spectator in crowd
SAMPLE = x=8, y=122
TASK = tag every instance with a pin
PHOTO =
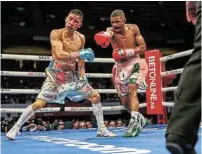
x=89, y=124
x=29, y=126
x=106, y=123
x=76, y=124
x=112, y=123
x=150, y=120
x=48, y=125
x=82, y=125
x=60, y=125
x=41, y=128
x=54, y=124
x=4, y=126
x=119, y=123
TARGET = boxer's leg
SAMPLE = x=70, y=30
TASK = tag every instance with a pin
x=122, y=89
x=133, y=127
x=94, y=98
x=26, y=115
x=137, y=121
x=30, y=110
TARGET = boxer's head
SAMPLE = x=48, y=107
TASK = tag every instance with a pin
x=118, y=20
x=74, y=20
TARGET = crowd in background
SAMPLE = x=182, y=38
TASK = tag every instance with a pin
x=38, y=124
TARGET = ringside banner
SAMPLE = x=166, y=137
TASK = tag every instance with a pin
x=154, y=92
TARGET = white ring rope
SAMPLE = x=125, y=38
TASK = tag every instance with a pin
x=97, y=60
x=69, y=109
x=167, y=73
x=101, y=91
x=48, y=58
x=176, y=55
x=78, y=109
x=168, y=104
x=42, y=74
x=90, y=75
x=36, y=91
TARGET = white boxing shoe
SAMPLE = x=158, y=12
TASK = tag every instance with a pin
x=104, y=132
x=13, y=132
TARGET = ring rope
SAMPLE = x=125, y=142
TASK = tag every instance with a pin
x=176, y=55
x=36, y=91
x=97, y=60
x=101, y=91
x=78, y=109
x=168, y=104
x=42, y=74
x=48, y=58
x=90, y=75
x=69, y=109
x=172, y=72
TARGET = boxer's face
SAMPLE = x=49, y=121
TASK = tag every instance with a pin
x=118, y=23
x=73, y=22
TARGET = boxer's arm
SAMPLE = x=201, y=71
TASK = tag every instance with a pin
x=104, y=38
x=60, y=54
x=141, y=45
x=57, y=47
x=81, y=62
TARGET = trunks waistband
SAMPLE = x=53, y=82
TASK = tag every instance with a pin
x=61, y=66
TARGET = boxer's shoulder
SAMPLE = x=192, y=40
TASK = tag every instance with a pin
x=57, y=32
x=61, y=30
x=132, y=27
x=81, y=36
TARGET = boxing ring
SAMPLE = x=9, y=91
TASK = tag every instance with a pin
x=150, y=140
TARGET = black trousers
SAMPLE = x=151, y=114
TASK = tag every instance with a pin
x=186, y=114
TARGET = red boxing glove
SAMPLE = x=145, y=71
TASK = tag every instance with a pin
x=120, y=54
x=102, y=39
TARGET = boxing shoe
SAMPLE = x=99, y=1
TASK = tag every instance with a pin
x=104, y=132
x=13, y=132
x=134, y=128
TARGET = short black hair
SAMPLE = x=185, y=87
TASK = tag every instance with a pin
x=116, y=13
x=77, y=12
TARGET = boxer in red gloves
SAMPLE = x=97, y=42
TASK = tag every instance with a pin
x=129, y=71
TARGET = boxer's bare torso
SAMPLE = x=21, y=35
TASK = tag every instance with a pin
x=69, y=44
x=125, y=40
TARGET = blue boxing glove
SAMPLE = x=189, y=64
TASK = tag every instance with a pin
x=87, y=54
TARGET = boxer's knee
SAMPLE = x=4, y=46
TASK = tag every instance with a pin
x=94, y=98
x=38, y=104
